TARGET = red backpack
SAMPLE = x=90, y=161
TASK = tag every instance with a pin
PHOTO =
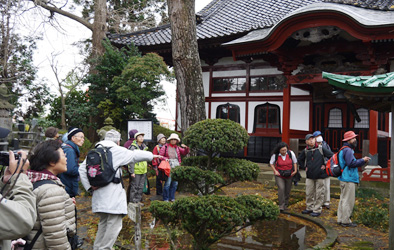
x=332, y=166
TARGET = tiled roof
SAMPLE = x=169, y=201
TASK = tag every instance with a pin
x=222, y=18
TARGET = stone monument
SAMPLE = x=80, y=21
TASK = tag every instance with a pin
x=5, y=108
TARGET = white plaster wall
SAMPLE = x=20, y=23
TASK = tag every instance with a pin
x=266, y=94
x=205, y=80
x=241, y=73
x=206, y=110
x=242, y=109
x=228, y=60
x=229, y=94
x=252, y=106
x=265, y=71
x=297, y=91
x=299, y=116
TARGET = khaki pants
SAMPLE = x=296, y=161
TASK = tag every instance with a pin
x=327, y=197
x=284, y=188
x=108, y=230
x=346, y=202
x=314, y=194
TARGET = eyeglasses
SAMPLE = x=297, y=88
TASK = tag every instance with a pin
x=82, y=137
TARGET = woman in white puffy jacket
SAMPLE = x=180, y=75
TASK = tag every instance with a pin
x=55, y=208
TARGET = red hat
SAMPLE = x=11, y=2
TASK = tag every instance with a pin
x=349, y=135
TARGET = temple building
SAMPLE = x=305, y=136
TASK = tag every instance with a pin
x=262, y=63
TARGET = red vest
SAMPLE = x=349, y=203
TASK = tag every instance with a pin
x=286, y=164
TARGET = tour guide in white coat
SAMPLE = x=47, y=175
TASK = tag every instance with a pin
x=110, y=201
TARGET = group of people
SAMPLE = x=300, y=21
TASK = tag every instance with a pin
x=313, y=159
x=38, y=191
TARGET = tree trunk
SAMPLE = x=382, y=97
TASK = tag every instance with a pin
x=186, y=60
x=99, y=27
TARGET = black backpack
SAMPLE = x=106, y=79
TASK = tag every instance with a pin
x=99, y=167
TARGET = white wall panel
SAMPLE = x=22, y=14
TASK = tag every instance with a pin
x=299, y=116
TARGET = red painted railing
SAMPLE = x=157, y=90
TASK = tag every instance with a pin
x=378, y=174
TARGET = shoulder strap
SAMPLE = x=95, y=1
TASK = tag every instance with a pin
x=33, y=241
x=42, y=182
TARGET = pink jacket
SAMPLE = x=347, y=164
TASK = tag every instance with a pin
x=179, y=151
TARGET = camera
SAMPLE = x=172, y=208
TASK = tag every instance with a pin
x=5, y=157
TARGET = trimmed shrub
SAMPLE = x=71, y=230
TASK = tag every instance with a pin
x=212, y=217
x=222, y=172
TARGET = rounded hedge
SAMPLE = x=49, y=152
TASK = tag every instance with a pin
x=216, y=136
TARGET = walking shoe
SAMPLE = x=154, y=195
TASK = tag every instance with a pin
x=327, y=206
x=306, y=211
x=315, y=214
x=351, y=224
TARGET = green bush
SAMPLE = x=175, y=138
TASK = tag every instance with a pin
x=222, y=172
x=375, y=217
x=212, y=217
x=216, y=136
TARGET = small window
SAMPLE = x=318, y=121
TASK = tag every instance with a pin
x=261, y=83
x=228, y=111
x=335, y=118
x=364, y=116
x=229, y=84
x=267, y=118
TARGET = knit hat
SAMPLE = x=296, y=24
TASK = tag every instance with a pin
x=308, y=136
x=51, y=132
x=349, y=135
x=160, y=136
x=132, y=133
x=73, y=131
x=112, y=135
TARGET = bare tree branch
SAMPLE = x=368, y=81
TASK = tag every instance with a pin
x=54, y=9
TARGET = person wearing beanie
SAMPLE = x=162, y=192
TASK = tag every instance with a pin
x=52, y=133
x=349, y=178
x=128, y=143
x=327, y=183
x=110, y=202
x=75, y=139
x=161, y=141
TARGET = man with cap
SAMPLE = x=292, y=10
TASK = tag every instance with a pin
x=161, y=141
x=312, y=160
x=75, y=139
x=321, y=143
x=109, y=202
x=349, y=178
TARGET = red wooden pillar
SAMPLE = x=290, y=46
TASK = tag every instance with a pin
x=373, y=132
x=286, y=114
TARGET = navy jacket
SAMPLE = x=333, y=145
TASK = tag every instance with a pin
x=312, y=159
x=70, y=178
x=349, y=164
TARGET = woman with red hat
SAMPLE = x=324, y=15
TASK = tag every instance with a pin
x=349, y=178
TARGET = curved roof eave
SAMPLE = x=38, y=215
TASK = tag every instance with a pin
x=365, y=17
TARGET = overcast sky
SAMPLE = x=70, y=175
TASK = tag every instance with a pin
x=60, y=41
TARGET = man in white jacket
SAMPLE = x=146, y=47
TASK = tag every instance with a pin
x=110, y=201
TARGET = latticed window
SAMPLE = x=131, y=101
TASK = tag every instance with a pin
x=229, y=84
x=267, y=83
x=267, y=119
x=335, y=118
x=364, y=116
x=228, y=111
